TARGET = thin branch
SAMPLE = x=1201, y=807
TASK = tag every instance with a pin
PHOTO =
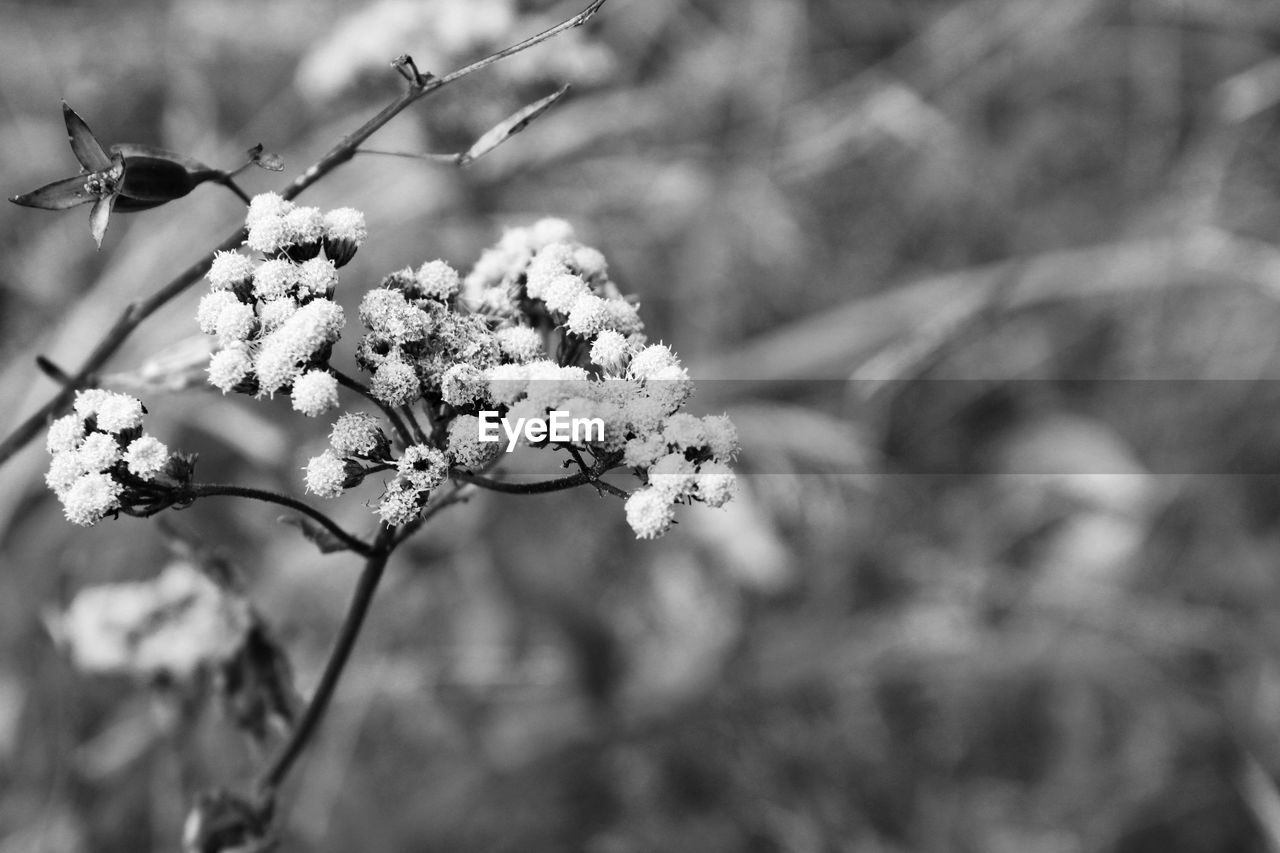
x=357, y=610
x=581, y=478
x=359, y=388
x=414, y=425
x=205, y=490
x=135, y=313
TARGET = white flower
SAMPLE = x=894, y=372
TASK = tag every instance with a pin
x=99, y=452
x=275, y=279
x=423, y=467
x=461, y=385
x=228, y=367
x=399, y=505
x=268, y=234
x=318, y=275
x=314, y=393
x=588, y=315
x=684, y=432
x=549, y=230
x=146, y=456
x=346, y=223
x=266, y=206
x=64, y=469
x=562, y=291
x=211, y=307
x=89, y=498
x=229, y=269
x=355, y=434
x=610, y=351
x=173, y=625
x=465, y=447
x=326, y=475
x=235, y=322
x=722, y=437
x=395, y=383
x=304, y=225
x=652, y=359
x=520, y=343
x=590, y=262
x=507, y=382
x=715, y=483
x=65, y=434
x=649, y=513
x=672, y=475
x=438, y=280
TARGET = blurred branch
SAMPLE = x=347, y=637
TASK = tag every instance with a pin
x=836, y=341
x=132, y=316
x=357, y=610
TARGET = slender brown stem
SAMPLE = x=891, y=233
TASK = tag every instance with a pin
x=206, y=490
x=133, y=314
x=357, y=610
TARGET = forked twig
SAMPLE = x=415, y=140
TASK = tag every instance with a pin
x=133, y=314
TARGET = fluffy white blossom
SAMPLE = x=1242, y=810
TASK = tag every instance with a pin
x=173, y=625
x=715, y=483
x=314, y=393
x=465, y=447
x=520, y=343
x=395, y=383
x=610, y=351
x=65, y=433
x=229, y=367
x=355, y=434
x=90, y=498
x=649, y=513
x=423, y=467
x=146, y=456
x=229, y=269
x=437, y=280
x=326, y=474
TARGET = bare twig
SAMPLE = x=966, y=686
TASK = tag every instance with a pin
x=132, y=316
x=206, y=490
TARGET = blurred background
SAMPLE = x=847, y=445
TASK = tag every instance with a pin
x=990, y=288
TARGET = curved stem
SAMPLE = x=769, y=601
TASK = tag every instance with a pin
x=135, y=313
x=363, y=391
x=413, y=424
x=205, y=490
x=582, y=478
x=357, y=610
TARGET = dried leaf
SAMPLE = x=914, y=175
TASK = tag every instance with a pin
x=84, y=144
x=508, y=128
x=265, y=159
x=59, y=195
x=99, y=217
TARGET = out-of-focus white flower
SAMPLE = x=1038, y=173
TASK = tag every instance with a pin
x=172, y=625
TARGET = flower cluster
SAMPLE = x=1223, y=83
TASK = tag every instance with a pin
x=275, y=319
x=170, y=626
x=537, y=326
x=102, y=462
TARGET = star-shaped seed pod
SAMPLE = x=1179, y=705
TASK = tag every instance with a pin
x=125, y=178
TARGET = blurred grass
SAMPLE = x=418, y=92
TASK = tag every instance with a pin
x=994, y=215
